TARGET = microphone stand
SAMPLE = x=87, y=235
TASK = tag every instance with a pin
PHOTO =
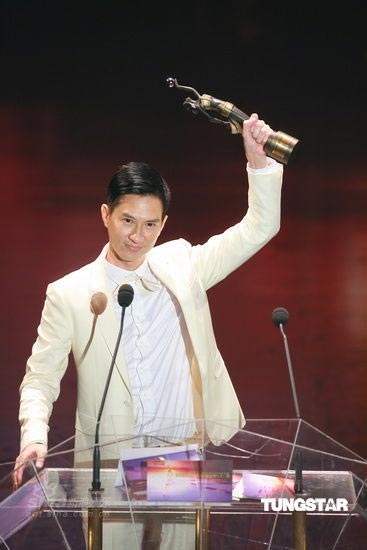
x=299, y=518
x=95, y=513
x=290, y=370
x=96, y=481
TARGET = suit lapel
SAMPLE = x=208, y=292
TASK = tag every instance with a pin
x=177, y=277
x=107, y=324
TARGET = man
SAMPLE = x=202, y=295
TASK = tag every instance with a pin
x=168, y=365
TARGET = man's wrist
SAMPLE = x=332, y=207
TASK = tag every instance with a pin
x=271, y=166
x=34, y=443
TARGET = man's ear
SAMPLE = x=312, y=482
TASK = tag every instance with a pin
x=163, y=223
x=105, y=213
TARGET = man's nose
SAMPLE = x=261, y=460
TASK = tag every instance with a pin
x=136, y=234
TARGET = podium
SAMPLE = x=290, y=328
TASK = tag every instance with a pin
x=55, y=508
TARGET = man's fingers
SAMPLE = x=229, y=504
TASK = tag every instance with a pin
x=34, y=453
x=40, y=462
x=260, y=131
x=256, y=129
x=18, y=474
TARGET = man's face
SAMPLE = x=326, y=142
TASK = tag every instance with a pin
x=133, y=227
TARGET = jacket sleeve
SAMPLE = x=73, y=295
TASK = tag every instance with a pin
x=224, y=253
x=45, y=368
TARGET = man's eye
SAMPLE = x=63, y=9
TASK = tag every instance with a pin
x=151, y=224
x=127, y=220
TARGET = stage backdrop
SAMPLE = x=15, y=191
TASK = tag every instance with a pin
x=83, y=93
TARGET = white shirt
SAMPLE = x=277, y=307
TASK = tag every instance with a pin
x=158, y=354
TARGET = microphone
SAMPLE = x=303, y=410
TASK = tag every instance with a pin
x=98, y=303
x=280, y=317
x=124, y=297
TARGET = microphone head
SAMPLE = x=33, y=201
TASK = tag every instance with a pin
x=125, y=295
x=280, y=316
x=98, y=303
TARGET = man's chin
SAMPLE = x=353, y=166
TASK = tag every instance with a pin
x=133, y=257
x=126, y=258
x=135, y=251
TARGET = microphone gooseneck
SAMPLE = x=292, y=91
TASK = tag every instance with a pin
x=124, y=297
x=280, y=317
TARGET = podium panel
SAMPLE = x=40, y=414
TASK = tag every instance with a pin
x=291, y=486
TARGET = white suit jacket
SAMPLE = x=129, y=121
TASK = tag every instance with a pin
x=67, y=324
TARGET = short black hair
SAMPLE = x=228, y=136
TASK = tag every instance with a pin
x=137, y=178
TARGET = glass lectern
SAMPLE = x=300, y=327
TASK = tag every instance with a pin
x=291, y=486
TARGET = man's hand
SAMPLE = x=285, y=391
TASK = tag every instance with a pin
x=36, y=451
x=255, y=134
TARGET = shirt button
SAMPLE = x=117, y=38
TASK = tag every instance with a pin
x=126, y=403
